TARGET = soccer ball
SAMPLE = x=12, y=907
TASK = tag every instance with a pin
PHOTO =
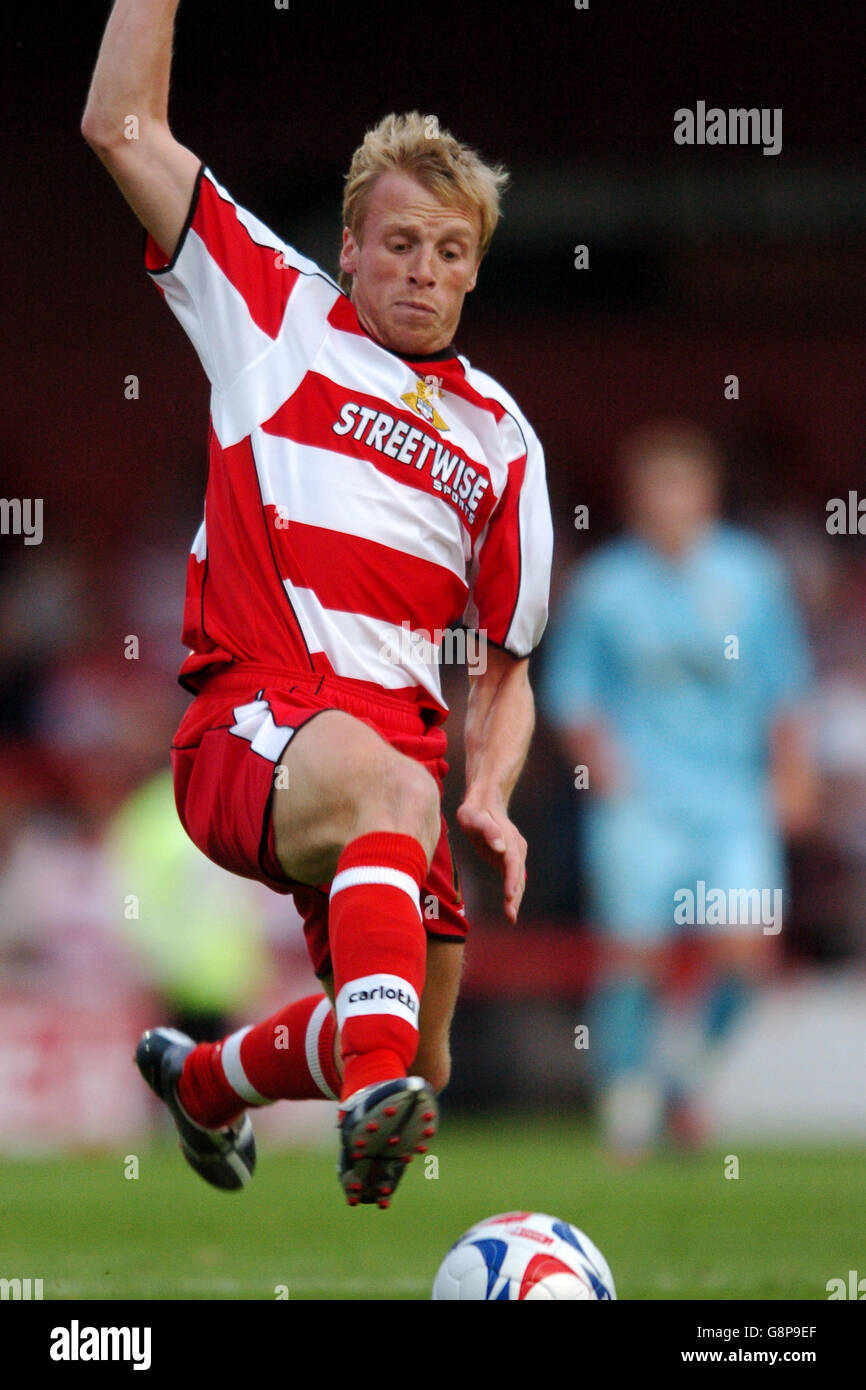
x=523, y=1255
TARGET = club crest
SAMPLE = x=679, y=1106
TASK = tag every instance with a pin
x=421, y=401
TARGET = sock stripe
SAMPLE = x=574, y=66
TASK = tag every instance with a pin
x=230, y=1056
x=311, y=1044
x=377, y=873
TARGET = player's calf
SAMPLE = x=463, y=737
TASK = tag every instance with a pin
x=379, y=950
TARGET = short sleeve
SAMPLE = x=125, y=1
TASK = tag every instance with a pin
x=237, y=289
x=572, y=684
x=510, y=584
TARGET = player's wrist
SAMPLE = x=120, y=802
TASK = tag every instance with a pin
x=486, y=795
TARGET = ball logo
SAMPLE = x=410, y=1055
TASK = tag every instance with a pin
x=528, y=1234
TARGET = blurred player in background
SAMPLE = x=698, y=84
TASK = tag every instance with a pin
x=367, y=488
x=676, y=677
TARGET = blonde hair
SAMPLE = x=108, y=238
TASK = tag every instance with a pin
x=416, y=145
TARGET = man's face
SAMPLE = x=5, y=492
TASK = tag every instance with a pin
x=417, y=260
x=671, y=498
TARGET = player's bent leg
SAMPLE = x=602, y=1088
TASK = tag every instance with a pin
x=288, y=1056
x=357, y=812
x=208, y=1086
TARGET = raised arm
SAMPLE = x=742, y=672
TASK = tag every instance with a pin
x=126, y=118
x=499, y=722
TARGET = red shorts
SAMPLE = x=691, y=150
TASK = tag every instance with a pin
x=224, y=756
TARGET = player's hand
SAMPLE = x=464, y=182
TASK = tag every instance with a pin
x=486, y=823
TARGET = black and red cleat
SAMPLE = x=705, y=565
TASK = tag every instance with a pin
x=380, y=1128
x=226, y=1157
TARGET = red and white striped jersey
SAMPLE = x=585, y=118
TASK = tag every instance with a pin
x=358, y=502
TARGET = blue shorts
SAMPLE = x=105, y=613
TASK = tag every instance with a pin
x=644, y=866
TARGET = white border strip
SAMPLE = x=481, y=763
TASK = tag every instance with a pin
x=311, y=1045
x=230, y=1056
x=377, y=873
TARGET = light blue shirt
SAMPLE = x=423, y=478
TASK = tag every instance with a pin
x=687, y=662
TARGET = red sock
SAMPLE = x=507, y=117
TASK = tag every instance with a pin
x=379, y=950
x=288, y=1057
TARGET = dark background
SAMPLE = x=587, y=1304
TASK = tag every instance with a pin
x=702, y=261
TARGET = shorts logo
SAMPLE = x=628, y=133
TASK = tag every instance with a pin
x=378, y=994
x=255, y=722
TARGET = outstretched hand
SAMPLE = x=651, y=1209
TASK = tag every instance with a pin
x=499, y=842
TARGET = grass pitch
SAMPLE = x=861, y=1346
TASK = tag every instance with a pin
x=670, y=1229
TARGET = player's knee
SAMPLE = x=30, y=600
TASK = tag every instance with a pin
x=411, y=798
